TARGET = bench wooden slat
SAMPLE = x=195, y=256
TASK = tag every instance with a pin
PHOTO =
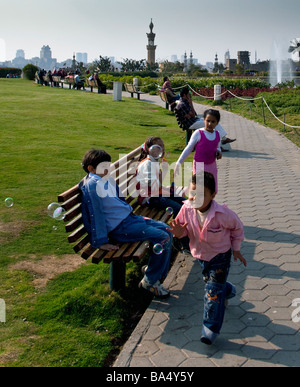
x=63, y=197
x=77, y=234
x=88, y=252
x=74, y=224
x=80, y=245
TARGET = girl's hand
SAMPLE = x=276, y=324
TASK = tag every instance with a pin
x=238, y=255
x=177, y=229
x=218, y=155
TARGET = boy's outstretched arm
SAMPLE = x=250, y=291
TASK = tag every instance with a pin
x=178, y=229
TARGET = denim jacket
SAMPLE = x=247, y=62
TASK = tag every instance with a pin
x=101, y=214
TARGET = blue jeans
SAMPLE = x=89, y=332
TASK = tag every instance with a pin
x=216, y=291
x=163, y=202
x=137, y=228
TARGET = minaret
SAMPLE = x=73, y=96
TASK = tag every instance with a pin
x=191, y=58
x=151, y=47
x=185, y=65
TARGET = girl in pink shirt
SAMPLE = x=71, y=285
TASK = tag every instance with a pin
x=207, y=145
x=215, y=232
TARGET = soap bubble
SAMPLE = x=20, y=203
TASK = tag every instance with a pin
x=158, y=249
x=56, y=211
x=169, y=211
x=9, y=202
x=156, y=151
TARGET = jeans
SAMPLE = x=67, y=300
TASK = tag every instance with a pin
x=216, y=291
x=137, y=228
x=163, y=202
x=175, y=202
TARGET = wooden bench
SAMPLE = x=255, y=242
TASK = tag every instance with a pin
x=130, y=88
x=57, y=80
x=165, y=98
x=92, y=83
x=124, y=171
x=69, y=81
x=189, y=132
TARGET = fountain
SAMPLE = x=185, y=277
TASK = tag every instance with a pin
x=280, y=67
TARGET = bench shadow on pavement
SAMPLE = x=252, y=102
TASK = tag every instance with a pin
x=248, y=332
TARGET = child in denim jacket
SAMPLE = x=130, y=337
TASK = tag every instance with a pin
x=107, y=216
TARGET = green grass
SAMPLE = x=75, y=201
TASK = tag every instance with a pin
x=285, y=104
x=74, y=320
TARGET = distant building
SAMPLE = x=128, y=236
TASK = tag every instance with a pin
x=82, y=57
x=46, y=61
x=243, y=59
x=231, y=64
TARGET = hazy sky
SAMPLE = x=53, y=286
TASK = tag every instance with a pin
x=118, y=27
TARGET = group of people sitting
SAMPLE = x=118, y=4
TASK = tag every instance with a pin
x=79, y=82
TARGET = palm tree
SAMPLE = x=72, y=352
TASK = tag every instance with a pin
x=295, y=49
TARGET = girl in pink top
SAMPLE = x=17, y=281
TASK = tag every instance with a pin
x=207, y=146
x=214, y=232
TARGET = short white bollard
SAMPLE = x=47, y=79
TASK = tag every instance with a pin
x=117, y=96
x=217, y=93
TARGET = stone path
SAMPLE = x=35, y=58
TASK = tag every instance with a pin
x=260, y=180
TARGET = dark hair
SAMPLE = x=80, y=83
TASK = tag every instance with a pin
x=212, y=112
x=165, y=79
x=94, y=157
x=184, y=91
x=209, y=181
x=147, y=145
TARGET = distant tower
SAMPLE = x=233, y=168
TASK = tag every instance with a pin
x=151, y=47
x=226, y=56
x=74, y=62
x=191, y=58
x=185, y=66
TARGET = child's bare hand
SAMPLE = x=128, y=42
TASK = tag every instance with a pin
x=218, y=155
x=238, y=255
x=177, y=229
x=109, y=247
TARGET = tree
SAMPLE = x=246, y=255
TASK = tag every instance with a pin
x=103, y=64
x=29, y=71
x=130, y=65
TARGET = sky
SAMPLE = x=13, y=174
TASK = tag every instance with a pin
x=118, y=28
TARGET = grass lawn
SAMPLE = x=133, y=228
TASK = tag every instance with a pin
x=59, y=310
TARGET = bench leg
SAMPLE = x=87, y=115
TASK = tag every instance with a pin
x=117, y=275
x=138, y=96
x=188, y=135
x=167, y=105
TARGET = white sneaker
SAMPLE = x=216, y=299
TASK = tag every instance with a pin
x=156, y=289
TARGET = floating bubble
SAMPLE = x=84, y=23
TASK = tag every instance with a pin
x=158, y=249
x=56, y=211
x=169, y=211
x=156, y=151
x=9, y=202
x=54, y=228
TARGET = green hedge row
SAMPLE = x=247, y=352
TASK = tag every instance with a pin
x=9, y=70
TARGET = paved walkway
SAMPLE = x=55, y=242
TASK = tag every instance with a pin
x=260, y=180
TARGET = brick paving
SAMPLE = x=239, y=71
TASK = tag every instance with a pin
x=260, y=180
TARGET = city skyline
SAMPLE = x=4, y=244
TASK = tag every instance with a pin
x=119, y=29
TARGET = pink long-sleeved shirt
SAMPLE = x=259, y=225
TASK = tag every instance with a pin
x=221, y=230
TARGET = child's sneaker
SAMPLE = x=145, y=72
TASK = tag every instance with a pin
x=156, y=289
